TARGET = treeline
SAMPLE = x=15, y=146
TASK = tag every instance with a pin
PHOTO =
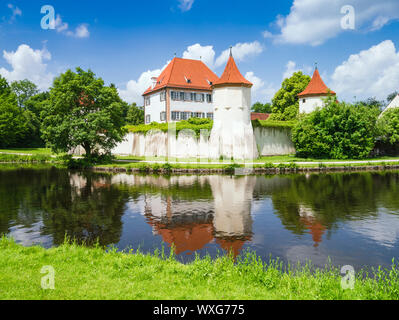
x=23, y=110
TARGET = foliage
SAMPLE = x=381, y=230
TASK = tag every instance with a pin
x=24, y=90
x=193, y=124
x=87, y=161
x=81, y=111
x=285, y=104
x=13, y=121
x=259, y=107
x=388, y=126
x=337, y=131
x=273, y=124
x=372, y=103
x=135, y=115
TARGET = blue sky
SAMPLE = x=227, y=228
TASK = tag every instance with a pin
x=128, y=42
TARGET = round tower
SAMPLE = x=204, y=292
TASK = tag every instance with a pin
x=312, y=97
x=232, y=134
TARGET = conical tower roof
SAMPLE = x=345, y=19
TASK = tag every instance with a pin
x=232, y=76
x=316, y=87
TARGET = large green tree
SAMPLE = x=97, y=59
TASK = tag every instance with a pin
x=259, y=107
x=336, y=131
x=24, y=90
x=135, y=115
x=285, y=104
x=388, y=126
x=13, y=122
x=82, y=111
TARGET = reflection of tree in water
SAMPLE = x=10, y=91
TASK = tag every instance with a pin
x=316, y=203
x=85, y=206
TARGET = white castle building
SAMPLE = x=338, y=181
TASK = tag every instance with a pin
x=312, y=97
x=182, y=91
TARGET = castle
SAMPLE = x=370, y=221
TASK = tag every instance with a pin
x=189, y=89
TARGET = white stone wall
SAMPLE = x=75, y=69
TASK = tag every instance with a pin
x=310, y=104
x=269, y=142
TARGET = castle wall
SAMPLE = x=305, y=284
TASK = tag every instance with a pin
x=269, y=142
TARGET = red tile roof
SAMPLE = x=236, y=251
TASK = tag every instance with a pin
x=316, y=87
x=259, y=116
x=185, y=74
x=232, y=75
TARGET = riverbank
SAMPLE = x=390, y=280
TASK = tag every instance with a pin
x=92, y=273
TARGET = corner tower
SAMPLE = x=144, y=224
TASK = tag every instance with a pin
x=312, y=97
x=232, y=133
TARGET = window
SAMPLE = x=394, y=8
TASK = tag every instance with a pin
x=177, y=96
x=199, y=97
x=163, y=116
x=199, y=115
x=209, y=115
x=163, y=96
x=304, y=100
x=147, y=101
x=187, y=96
x=209, y=98
x=175, y=115
x=185, y=115
x=148, y=118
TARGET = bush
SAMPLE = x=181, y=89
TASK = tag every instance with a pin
x=388, y=126
x=337, y=131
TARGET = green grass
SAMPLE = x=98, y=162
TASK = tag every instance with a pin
x=14, y=158
x=92, y=273
x=32, y=151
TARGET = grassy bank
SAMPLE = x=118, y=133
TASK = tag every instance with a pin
x=92, y=273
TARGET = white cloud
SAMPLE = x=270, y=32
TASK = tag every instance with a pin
x=315, y=21
x=27, y=63
x=370, y=73
x=81, y=31
x=261, y=91
x=15, y=12
x=291, y=68
x=186, y=5
x=196, y=51
x=267, y=34
x=135, y=88
x=240, y=52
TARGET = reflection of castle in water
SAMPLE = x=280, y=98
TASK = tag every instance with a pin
x=191, y=224
x=310, y=221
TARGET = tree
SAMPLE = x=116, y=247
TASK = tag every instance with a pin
x=135, y=115
x=388, y=126
x=372, y=102
x=81, y=111
x=13, y=123
x=336, y=131
x=259, y=107
x=285, y=104
x=24, y=90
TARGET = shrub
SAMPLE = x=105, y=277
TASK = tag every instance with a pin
x=337, y=131
x=388, y=126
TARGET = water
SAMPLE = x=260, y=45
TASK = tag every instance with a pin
x=351, y=218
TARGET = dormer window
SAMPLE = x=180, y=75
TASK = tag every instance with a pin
x=187, y=80
x=210, y=82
